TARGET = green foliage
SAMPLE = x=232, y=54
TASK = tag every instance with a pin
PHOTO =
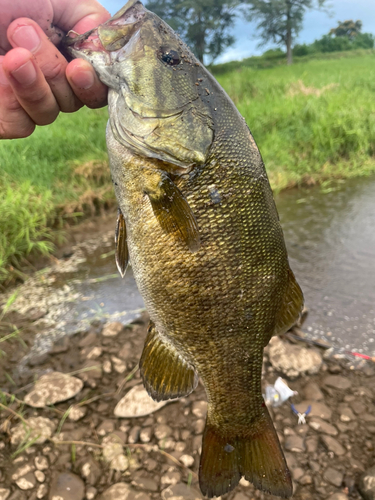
x=280, y=21
x=329, y=43
x=312, y=121
x=349, y=29
x=203, y=24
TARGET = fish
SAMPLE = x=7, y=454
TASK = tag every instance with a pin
x=198, y=222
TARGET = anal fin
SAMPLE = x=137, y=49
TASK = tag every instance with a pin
x=165, y=373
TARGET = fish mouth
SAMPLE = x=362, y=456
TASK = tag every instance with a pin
x=110, y=36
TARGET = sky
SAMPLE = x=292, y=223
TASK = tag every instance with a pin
x=316, y=24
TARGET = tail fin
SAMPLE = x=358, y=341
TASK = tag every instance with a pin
x=256, y=454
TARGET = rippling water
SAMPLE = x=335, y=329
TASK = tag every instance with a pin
x=331, y=242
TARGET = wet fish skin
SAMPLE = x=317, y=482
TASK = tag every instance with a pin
x=204, y=240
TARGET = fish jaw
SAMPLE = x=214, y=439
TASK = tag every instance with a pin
x=105, y=45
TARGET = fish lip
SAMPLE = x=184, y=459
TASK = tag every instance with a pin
x=72, y=38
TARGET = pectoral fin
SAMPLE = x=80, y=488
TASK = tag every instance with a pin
x=165, y=373
x=174, y=213
x=121, y=245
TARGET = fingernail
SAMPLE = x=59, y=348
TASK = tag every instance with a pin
x=26, y=37
x=83, y=79
x=25, y=74
x=3, y=79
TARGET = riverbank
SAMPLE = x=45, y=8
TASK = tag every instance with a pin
x=314, y=122
x=90, y=439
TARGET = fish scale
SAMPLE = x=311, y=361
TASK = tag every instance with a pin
x=204, y=239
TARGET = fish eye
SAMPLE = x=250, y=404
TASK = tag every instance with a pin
x=170, y=56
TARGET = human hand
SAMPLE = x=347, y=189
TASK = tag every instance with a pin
x=36, y=81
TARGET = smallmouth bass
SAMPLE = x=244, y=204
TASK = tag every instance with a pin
x=198, y=221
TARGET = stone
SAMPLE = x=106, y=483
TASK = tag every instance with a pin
x=94, y=352
x=240, y=496
x=297, y=473
x=294, y=443
x=333, y=445
x=181, y=491
x=306, y=480
x=120, y=463
x=312, y=391
x=293, y=360
x=40, y=476
x=318, y=409
x=333, y=476
x=146, y=435
x=199, y=409
x=91, y=471
x=91, y=370
x=199, y=426
x=41, y=463
x=22, y=471
x=347, y=415
x=338, y=496
x=112, y=329
x=187, y=460
x=77, y=412
x=38, y=428
x=67, y=486
x=91, y=493
x=90, y=339
x=137, y=403
x=162, y=431
x=53, y=388
x=312, y=444
x=112, y=446
x=337, y=382
x=42, y=491
x=106, y=427
x=118, y=491
x=4, y=493
x=134, y=434
x=366, y=484
x=145, y=483
x=170, y=479
x=320, y=425
x=368, y=418
x=26, y=482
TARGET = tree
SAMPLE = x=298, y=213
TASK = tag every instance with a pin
x=203, y=24
x=280, y=20
x=349, y=29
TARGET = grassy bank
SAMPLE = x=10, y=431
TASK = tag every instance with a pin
x=312, y=121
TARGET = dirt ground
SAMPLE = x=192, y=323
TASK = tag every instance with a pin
x=160, y=452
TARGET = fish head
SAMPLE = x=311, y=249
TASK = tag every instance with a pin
x=153, y=80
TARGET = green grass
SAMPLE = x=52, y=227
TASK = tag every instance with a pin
x=313, y=121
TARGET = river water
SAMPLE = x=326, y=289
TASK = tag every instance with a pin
x=331, y=243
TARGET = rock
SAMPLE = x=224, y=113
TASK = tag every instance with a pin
x=170, y=479
x=106, y=427
x=91, y=370
x=312, y=444
x=91, y=493
x=137, y=403
x=187, y=460
x=94, y=352
x=120, y=463
x=38, y=428
x=317, y=409
x=146, y=435
x=22, y=471
x=134, y=434
x=199, y=409
x=119, y=491
x=162, y=431
x=4, y=493
x=240, y=496
x=67, y=486
x=347, y=415
x=320, y=425
x=42, y=491
x=53, y=388
x=91, y=471
x=338, y=496
x=199, y=426
x=77, y=412
x=181, y=491
x=112, y=329
x=297, y=473
x=306, y=480
x=366, y=484
x=294, y=443
x=333, y=476
x=368, y=418
x=337, y=382
x=293, y=360
x=333, y=445
x=145, y=483
x=313, y=392
x=112, y=447
x=39, y=476
x=26, y=482
x=90, y=339
x=41, y=463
